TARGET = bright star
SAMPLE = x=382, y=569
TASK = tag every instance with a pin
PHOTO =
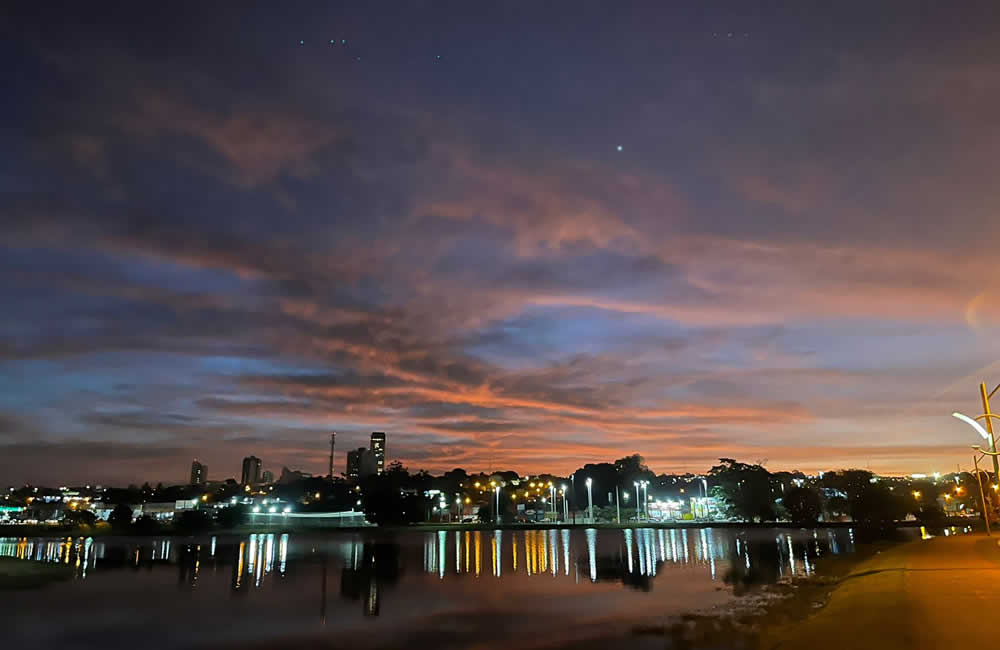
x=619, y=147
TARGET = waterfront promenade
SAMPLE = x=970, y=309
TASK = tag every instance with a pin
x=937, y=593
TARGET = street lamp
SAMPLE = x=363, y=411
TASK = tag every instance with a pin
x=590, y=500
x=496, y=489
x=565, y=503
x=645, y=501
x=552, y=499
x=572, y=480
x=638, y=503
x=987, y=416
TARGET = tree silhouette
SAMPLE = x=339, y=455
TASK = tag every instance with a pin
x=120, y=518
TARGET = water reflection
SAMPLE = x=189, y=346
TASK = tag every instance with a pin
x=371, y=564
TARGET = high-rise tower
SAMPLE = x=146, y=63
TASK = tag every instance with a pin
x=251, y=471
x=199, y=473
x=378, y=449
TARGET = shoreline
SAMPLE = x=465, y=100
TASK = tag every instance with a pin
x=757, y=619
x=246, y=529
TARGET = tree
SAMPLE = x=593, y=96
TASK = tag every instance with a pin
x=146, y=525
x=385, y=502
x=745, y=490
x=120, y=518
x=231, y=516
x=804, y=505
x=876, y=504
x=192, y=521
x=836, y=507
x=79, y=518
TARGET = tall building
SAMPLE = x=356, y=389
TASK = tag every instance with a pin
x=361, y=463
x=251, y=471
x=267, y=476
x=378, y=449
x=199, y=473
x=333, y=441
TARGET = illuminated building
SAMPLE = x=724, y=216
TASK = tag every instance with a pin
x=361, y=463
x=378, y=449
x=267, y=476
x=199, y=473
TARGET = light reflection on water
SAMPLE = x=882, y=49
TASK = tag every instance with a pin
x=639, y=552
x=577, y=575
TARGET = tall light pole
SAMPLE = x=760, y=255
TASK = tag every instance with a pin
x=645, y=501
x=565, y=504
x=989, y=427
x=552, y=495
x=572, y=480
x=618, y=509
x=638, y=503
x=497, y=490
x=590, y=500
x=986, y=434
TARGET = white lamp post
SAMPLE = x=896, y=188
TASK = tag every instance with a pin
x=590, y=500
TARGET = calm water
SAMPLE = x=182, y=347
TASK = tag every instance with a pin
x=444, y=589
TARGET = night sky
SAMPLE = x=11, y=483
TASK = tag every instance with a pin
x=522, y=235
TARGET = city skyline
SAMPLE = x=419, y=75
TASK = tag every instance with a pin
x=512, y=237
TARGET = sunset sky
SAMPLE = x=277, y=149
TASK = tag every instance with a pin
x=522, y=235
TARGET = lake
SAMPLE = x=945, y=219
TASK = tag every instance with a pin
x=379, y=589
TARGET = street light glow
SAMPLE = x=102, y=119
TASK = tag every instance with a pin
x=971, y=422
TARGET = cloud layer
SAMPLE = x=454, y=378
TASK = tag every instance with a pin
x=222, y=242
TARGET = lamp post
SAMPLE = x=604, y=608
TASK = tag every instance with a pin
x=645, y=501
x=552, y=495
x=590, y=500
x=638, y=503
x=572, y=480
x=565, y=504
x=618, y=509
x=496, y=489
x=987, y=434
